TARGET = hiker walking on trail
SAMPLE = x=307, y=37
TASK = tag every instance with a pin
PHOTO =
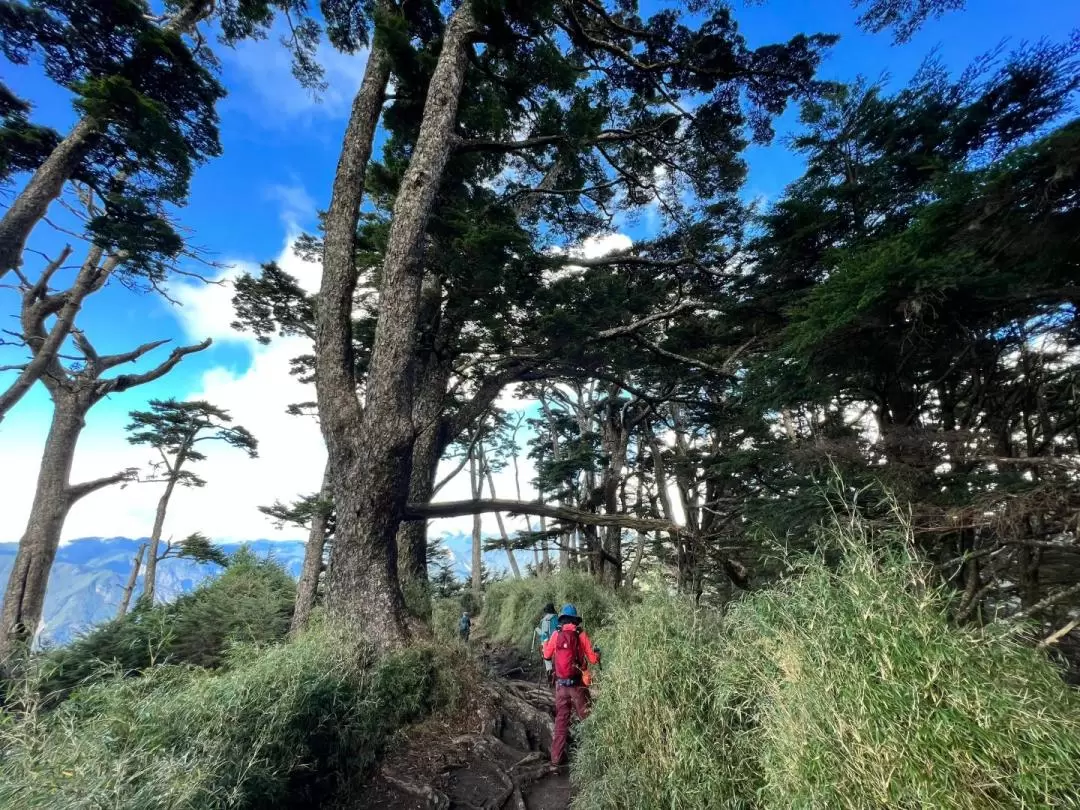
x=571, y=651
x=464, y=626
x=549, y=625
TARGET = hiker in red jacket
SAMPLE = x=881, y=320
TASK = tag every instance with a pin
x=570, y=652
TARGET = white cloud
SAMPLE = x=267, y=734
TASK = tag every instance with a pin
x=291, y=452
x=601, y=245
x=272, y=95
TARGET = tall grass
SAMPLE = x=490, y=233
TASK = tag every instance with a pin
x=284, y=726
x=251, y=602
x=844, y=687
x=512, y=608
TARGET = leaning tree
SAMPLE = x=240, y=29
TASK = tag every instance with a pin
x=177, y=430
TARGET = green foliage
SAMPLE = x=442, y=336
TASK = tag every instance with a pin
x=174, y=428
x=512, y=607
x=23, y=146
x=286, y=726
x=843, y=687
x=250, y=603
x=445, y=612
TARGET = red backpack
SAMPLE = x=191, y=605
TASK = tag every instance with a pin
x=568, y=658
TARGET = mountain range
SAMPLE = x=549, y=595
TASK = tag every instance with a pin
x=89, y=574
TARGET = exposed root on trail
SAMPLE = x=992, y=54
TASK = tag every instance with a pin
x=492, y=756
x=432, y=798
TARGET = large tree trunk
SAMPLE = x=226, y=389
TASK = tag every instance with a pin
x=370, y=451
x=308, y=586
x=133, y=578
x=24, y=598
x=427, y=452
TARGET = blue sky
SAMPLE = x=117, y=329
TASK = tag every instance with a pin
x=280, y=150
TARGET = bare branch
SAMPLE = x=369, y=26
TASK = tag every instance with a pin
x=630, y=328
x=1049, y=602
x=612, y=259
x=461, y=465
x=114, y=360
x=42, y=285
x=77, y=491
x=126, y=381
x=690, y=361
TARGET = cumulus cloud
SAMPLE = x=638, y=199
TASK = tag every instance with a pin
x=257, y=393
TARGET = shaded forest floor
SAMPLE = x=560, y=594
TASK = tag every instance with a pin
x=493, y=754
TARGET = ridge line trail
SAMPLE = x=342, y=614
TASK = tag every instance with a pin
x=492, y=755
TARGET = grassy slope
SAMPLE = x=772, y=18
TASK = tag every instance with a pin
x=842, y=688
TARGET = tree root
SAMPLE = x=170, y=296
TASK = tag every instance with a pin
x=432, y=798
x=516, y=778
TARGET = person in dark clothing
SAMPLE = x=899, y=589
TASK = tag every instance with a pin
x=464, y=626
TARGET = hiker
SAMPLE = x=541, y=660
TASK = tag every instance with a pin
x=464, y=625
x=570, y=652
x=549, y=624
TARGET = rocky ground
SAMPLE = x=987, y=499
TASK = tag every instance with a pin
x=492, y=755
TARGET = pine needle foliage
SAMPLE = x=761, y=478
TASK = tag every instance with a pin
x=250, y=603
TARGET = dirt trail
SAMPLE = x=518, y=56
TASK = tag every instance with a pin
x=493, y=755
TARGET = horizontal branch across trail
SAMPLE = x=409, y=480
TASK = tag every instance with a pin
x=426, y=511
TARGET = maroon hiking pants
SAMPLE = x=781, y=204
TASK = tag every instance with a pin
x=567, y=698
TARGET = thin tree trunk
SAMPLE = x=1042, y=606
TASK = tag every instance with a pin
x=308, y=586
x=477, y=549
x=642, y=538
x=150, y=578
x=502, y=526
x=635, y=564
x=371, y=450
x=133, y=578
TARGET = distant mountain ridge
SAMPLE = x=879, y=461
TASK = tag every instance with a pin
x=88, y=577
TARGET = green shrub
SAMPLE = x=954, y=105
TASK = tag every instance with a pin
x=844, y=687
x=251, y=602
x=281, y=726
x=512, y=608
x=445, y=612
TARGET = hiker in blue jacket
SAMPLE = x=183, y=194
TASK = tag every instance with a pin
x=464, y=626
x=549, y=624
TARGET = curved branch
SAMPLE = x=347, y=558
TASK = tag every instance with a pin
x=126, y=381
x=77, y=491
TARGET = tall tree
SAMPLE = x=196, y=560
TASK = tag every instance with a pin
x=74, y=391
x=631, y=133
x=145, y=91
x=176, y=430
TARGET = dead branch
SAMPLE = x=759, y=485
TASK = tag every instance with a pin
x=1057, y=635
x=1049, y=602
